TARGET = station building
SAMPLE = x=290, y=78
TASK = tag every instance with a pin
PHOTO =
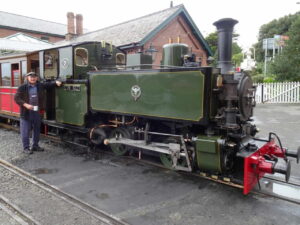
x=151, y=32
x=22, y=35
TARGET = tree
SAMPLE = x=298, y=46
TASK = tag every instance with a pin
x=237, y=59
x=286, y=66
x=279, y=26
x=212, y=40
x=237, y=56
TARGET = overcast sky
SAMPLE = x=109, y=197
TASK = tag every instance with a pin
x=97, y=14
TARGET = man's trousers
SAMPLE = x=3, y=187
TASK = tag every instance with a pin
x=34, y=125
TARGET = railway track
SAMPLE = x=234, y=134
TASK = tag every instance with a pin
x=16, y=213
x=268, y=186
x=99, y=215
x=280, y=189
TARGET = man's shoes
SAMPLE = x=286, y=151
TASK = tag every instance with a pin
x=37, y=149
x=27, y=151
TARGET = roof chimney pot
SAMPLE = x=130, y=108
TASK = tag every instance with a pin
x=79, y=26
x=71, y=26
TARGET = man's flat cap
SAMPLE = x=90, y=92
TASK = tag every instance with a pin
x=32, y=74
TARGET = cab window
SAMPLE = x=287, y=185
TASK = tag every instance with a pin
x=120, y=61
x=81, y=57
x=51, y=64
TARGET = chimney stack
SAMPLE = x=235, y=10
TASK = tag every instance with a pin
x=225, y=30
x=71, y=26
x=79, y=26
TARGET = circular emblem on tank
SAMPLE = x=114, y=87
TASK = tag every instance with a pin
x=136, y=92
x=65, y=63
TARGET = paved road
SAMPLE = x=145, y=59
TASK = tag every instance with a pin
x=284, y=120
x=143, y=195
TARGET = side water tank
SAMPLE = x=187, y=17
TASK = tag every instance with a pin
x=173, y=54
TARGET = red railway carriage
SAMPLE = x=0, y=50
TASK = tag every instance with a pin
x=12, y=71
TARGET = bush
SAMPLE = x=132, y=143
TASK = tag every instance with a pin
x=269, y=79
x=258, y=78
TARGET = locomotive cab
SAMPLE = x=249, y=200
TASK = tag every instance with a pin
x=71, y=64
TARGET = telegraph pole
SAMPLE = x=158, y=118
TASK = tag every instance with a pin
x=266, y=56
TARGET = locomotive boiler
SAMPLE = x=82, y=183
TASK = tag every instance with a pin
x=192, y=118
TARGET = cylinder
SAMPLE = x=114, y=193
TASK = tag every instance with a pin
x=225, y=30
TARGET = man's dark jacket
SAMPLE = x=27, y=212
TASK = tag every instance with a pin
x=22, y=96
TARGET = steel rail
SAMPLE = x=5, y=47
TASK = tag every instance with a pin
x=89, y=209
x=281, y=181
x=229, y=183
x=211, y=178
x=16, y=213
x=277, y=195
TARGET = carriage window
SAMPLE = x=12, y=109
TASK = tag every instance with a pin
x=15, y=74
x=23, y=69
x=6, y=74
x=81, y=57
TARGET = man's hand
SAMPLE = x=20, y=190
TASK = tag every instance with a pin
x=58, y=83
x=28, y=106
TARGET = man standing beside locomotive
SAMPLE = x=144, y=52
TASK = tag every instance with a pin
x=30, y=97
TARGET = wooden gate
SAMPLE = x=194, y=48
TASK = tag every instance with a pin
x=286, y=92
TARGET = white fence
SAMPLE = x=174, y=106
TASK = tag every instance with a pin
x=286, y=92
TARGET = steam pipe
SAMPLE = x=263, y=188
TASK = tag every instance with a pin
x=225, y=30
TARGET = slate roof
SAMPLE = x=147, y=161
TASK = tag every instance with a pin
x=140, y=30
x=14, y=21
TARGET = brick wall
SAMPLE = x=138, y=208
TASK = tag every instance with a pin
x=176, y=28
x=7, y=32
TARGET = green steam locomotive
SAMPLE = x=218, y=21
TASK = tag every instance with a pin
x=195, y=119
